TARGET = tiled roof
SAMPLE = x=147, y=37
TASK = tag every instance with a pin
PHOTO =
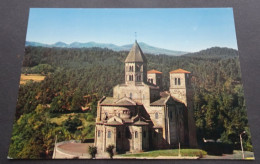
x=180, y=71
x=135, y=54
x=114, y=123
x=110, y=101
x=160, y=102
x=139, y=122
x=154, y=71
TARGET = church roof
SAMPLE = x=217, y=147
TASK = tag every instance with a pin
x=110, y=101
x=139, y=122
x=114, y=123
x=162, y=101
x=179, y=71
x=135, y=54
x=165, y=98
x=125, y=101
x=154, y=71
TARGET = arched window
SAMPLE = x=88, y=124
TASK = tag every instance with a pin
x=156, y=115
x=118, y=114
x=130, y=68
x=109, y=134
x=175, y=81
x=136, y=134
x=152, y=81
x=131, y=95
x=98, y=133
x=179, y=81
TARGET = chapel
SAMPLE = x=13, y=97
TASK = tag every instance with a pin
x=141, y=116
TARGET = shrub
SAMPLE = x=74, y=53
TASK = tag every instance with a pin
x=110, y=150
x=92, y=150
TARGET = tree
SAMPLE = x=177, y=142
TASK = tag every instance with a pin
x=110, y=151
x=92, y=150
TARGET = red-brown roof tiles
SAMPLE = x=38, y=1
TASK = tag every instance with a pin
x=154, y=71
x=180, y=71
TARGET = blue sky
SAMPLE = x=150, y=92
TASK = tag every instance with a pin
x=176, y=29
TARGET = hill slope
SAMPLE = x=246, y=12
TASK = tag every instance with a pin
x=145, y=47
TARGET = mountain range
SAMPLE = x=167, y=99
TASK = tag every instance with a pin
x=145, y=47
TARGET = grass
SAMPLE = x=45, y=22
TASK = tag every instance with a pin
x=29, y=77
x=169, y=152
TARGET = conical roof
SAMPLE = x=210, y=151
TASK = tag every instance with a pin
x=135, y=54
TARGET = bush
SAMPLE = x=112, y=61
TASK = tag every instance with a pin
x=110, y=150
x=92, y=150
x=218, y=148
x=72, y=124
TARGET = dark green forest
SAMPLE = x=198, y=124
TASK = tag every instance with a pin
x=80, y=77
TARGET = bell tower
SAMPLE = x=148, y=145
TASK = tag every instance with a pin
x=135, y=66
x=180, y=88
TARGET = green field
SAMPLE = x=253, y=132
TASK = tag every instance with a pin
x=169, y=152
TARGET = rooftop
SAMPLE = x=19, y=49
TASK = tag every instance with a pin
x=179, y=71
x=135, y=54
x=154, y=71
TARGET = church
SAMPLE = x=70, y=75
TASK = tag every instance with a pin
x=140, y=116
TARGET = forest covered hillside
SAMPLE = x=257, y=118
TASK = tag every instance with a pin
x=76, y=78
x=145, y=47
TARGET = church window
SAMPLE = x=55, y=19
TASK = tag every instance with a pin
x=137, y=68
x=179, y=81
x=119, y=135
x=109, y=134
x=131, y=95
x=143, y=96
x=98, y=133
x=118, y=114
x=175, y=81
x=171, y=115
x=136, y=134
x=156, y=115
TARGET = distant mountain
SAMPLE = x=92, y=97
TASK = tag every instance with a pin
x=214, y=52
x=145, y=47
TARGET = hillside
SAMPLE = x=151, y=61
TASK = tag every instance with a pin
x=77, y=78
x=145, y=47
x=214, y=52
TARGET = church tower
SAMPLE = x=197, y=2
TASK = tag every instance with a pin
x=135, y=66
x=180, y=88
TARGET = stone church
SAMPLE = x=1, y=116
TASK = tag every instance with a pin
x=140, y=116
